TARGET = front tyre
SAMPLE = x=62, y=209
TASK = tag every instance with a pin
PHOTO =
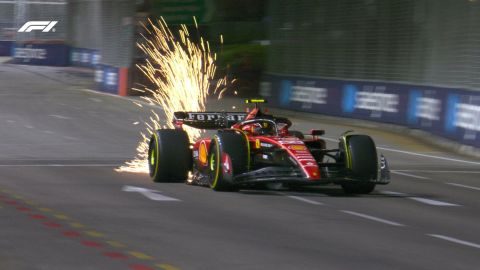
x=228, y=156
x=361, y=163
x=169, y=156
x=358, y=188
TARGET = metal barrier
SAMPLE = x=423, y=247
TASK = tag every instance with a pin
x=408, y=62
x=451, y=113
x=102, y=37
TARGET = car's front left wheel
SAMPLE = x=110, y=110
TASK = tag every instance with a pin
x=228, y=156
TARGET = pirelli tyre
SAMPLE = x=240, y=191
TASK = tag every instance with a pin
x=229, y=156
x=361, y=163
x=169, y=156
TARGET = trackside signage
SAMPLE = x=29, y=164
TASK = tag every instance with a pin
x=85, y=57
x=305, y=93
x=41, y=54
x=451, y=113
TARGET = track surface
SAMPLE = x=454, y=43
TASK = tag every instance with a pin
x=62, y=204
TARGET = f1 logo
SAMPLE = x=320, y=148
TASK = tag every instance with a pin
x=45, y=26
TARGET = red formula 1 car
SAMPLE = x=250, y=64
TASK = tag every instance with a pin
x=255, y=149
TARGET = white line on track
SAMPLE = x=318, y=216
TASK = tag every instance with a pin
x=149, y=193
x=464, y=186
x=381, y=220
x=416, y=154
x=59, y=116
x=28, y=126
x=299, y=198
x=418, y=199
x=408, y=174
x=432, y=202
x=439, y=171
x=455, y=240
x=60, y=165
x=303, y=199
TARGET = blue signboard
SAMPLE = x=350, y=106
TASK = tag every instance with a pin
x=451, y=113
x=41, y=54
x=107, y=78
x=84, y=57
x=6, y=48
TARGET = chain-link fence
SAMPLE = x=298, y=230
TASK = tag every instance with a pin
x=419, y=41
x=7, y=21
x=104, y=25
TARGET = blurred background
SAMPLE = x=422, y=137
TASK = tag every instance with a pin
x=414, y=63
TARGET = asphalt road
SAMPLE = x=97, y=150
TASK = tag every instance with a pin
x=62, y=205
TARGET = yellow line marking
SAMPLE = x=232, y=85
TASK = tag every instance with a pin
x=30, y=203
x=44, y=209
x=62, y=217
x=166, y=266
x=18, y=197
x=76, y=225
x=95, y=234
x=140, y=255
x=116, y=244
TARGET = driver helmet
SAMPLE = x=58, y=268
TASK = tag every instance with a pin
x=263, y=128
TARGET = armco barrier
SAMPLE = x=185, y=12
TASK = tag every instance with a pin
x=41, y=54
x=448, y=112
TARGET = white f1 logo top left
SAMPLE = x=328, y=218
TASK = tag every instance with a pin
x=45, y=26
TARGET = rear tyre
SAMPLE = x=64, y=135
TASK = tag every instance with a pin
x=169, y=156
x=228, y=156
x=361, y=163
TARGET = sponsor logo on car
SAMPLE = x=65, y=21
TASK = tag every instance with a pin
x=267, y=145
x=297, y=147
x=195, y=116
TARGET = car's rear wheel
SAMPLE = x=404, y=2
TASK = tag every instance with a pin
x=169, y=156
x=361, y=163
x=228, y=156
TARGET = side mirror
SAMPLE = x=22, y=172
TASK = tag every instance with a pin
x=317, y=132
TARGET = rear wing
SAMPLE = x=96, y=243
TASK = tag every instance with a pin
x=208, y=120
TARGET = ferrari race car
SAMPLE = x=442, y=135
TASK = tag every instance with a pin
x=256, y=149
